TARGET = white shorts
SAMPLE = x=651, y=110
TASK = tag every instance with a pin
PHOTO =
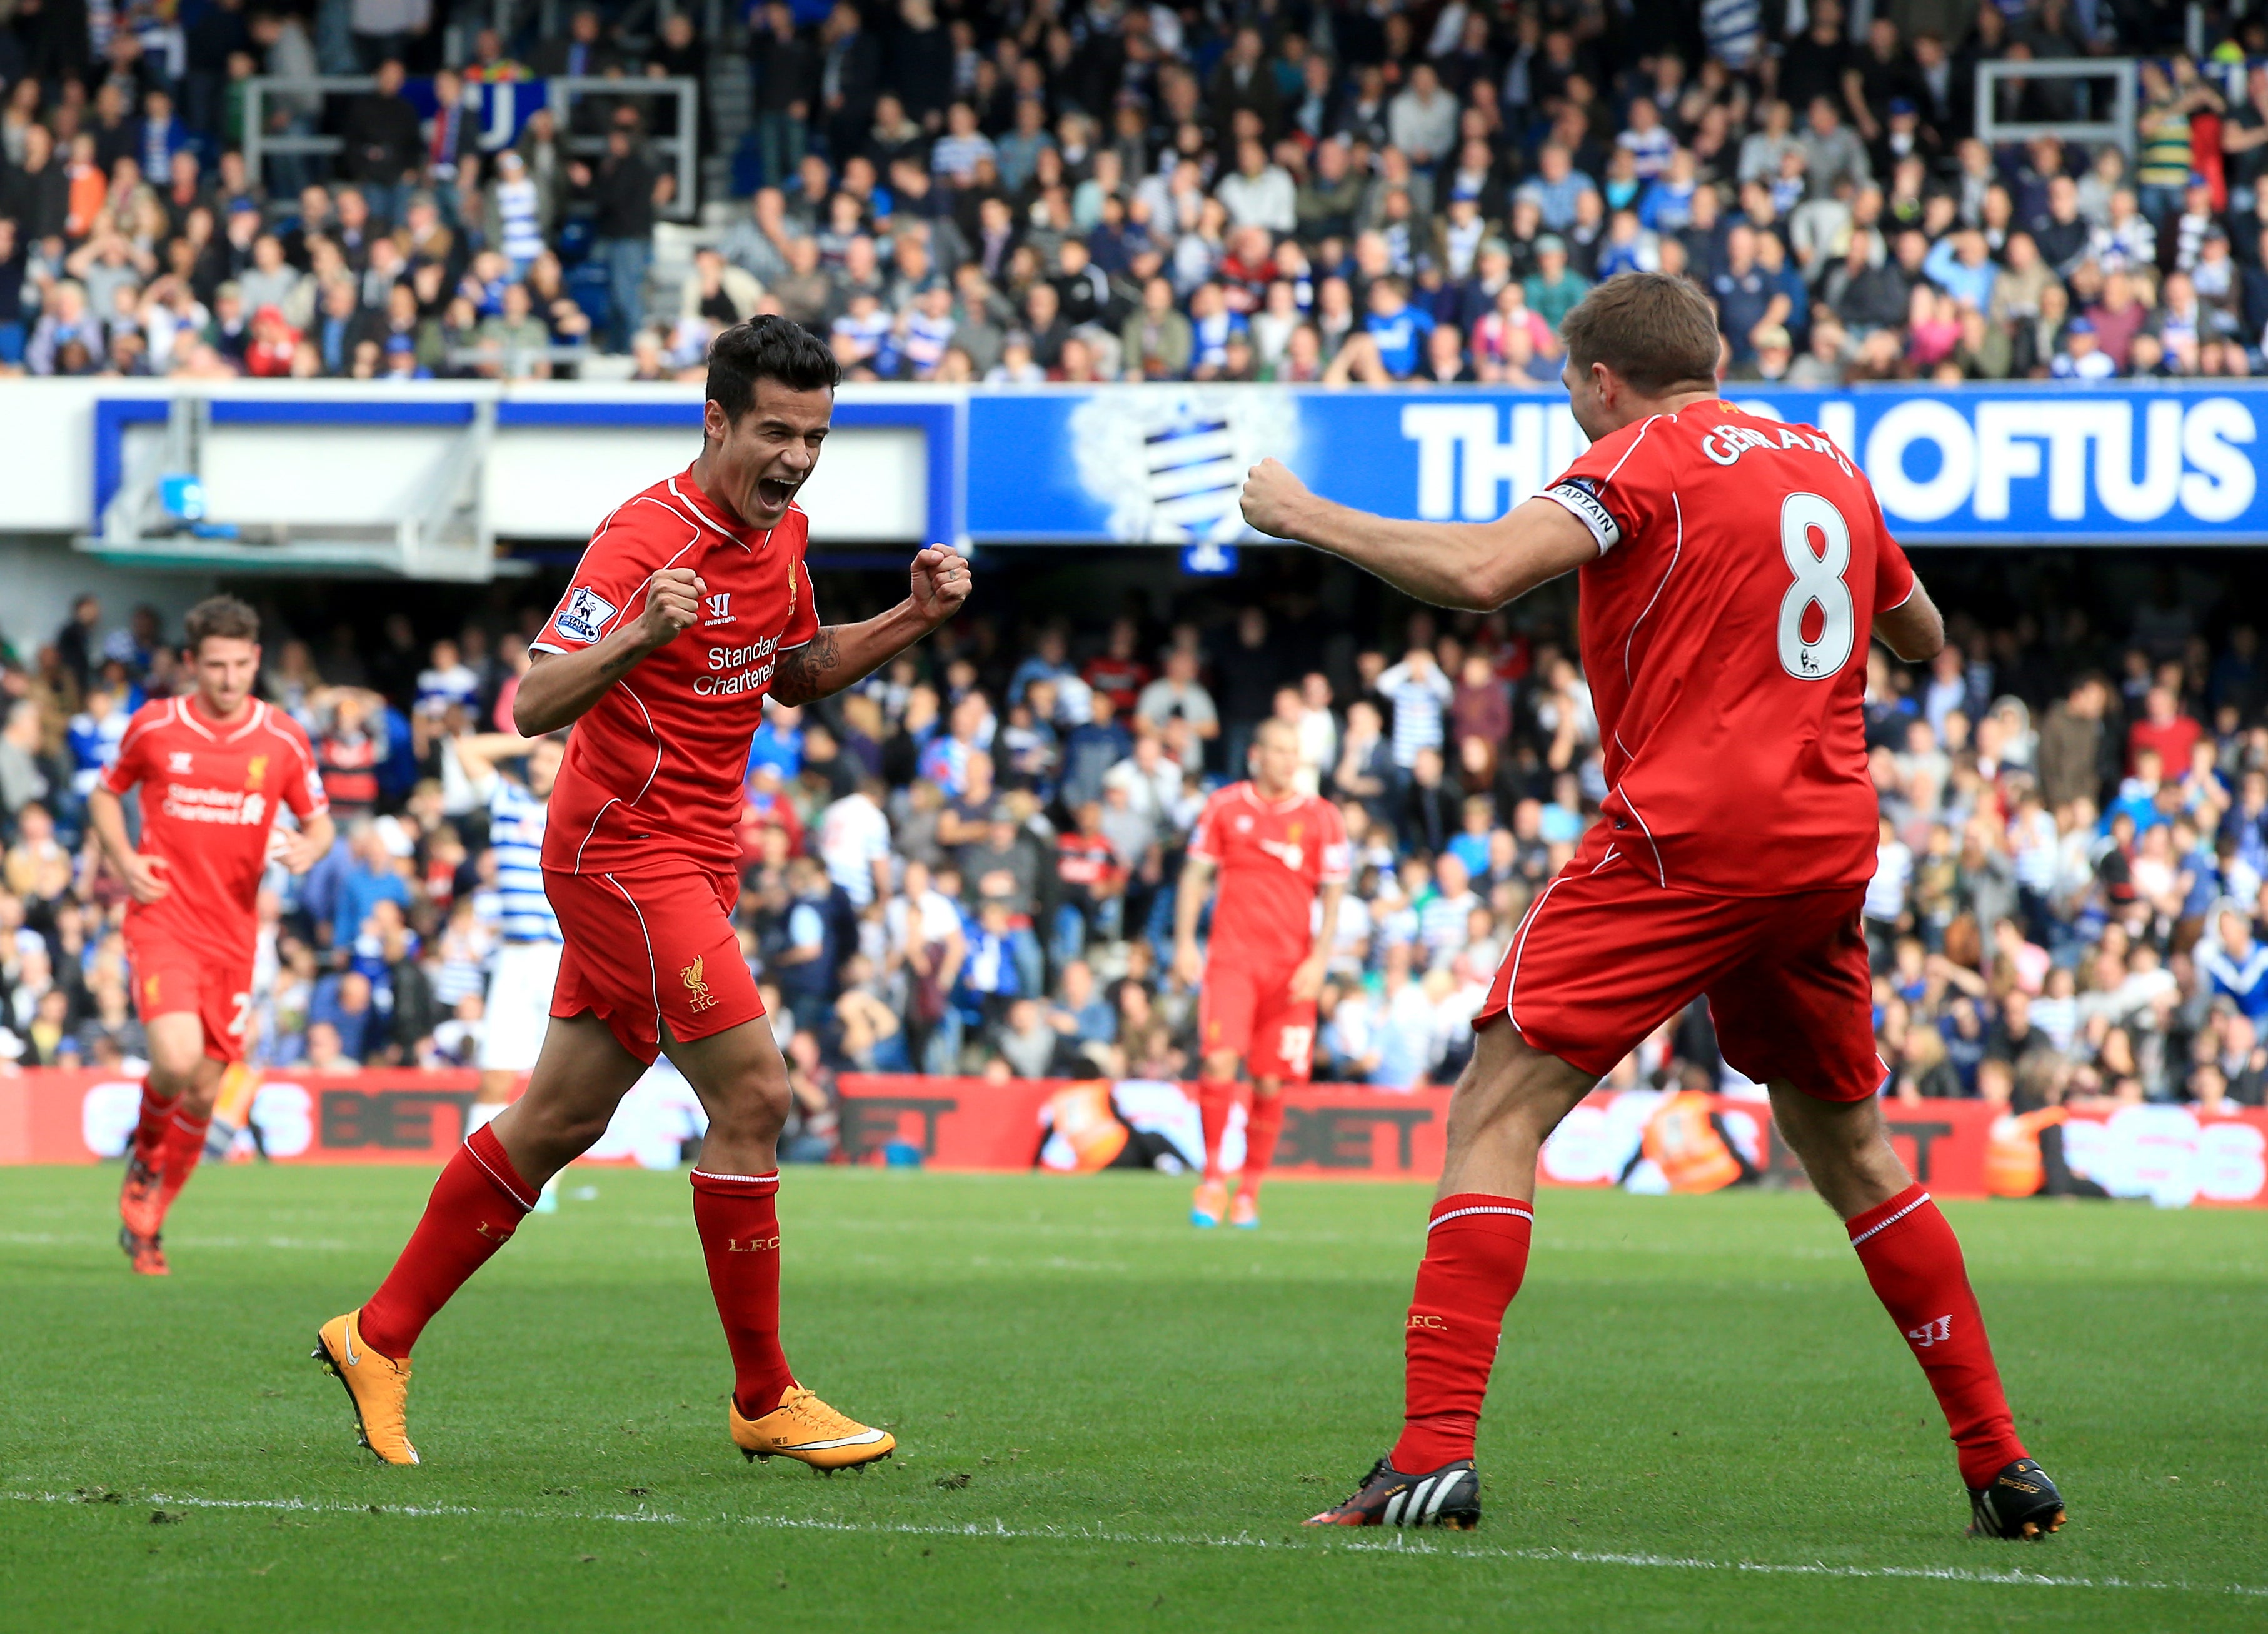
x=519, y=1006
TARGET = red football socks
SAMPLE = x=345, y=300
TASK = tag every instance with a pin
x=476, y=1205
x=178, y=1152
x=1913, y=1260
x=1476, y=1255
x=150, y=1128
x=738, y=1217
x=1261, y=1124
x=1215, y=1098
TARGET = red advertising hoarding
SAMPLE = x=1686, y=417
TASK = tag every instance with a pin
x=1331, y=1131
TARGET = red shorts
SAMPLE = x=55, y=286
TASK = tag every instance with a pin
x=651, y=947
x=171, y=978
x=1255, y=1015
x=1606, y=955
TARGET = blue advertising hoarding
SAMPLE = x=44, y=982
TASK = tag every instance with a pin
x=2018, y=465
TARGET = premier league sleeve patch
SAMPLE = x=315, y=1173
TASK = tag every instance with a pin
x=1580, y=496
x=586, y=616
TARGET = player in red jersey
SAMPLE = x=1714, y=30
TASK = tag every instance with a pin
x=1276, y=852
x=1732, y=567
x=214, y=767
x=690, y=604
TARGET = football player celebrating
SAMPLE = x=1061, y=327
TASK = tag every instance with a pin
x=691, y=604
x=214, y=768
x=1275, y=853
x=1732, y=569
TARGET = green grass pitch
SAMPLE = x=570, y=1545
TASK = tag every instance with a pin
x=1700, y=1419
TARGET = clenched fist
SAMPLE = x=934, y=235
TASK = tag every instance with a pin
x=941, y=583
x=672, y=603
x=1272, y=496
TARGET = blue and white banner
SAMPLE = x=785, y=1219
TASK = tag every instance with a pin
x=2019, y=465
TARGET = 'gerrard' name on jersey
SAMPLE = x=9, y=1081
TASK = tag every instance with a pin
x=655, y=768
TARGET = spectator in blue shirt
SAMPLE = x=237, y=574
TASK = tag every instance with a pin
x=371, y=878
x=1396, y=329
x=344, y=1002
x=1961, y=264
x=1556, y=186
x=2236, y=964
x=1091, y=749
x=778, y=742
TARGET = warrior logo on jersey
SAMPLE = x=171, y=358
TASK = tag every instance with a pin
x=703, y=998
x=586, y=616
x=180, y=761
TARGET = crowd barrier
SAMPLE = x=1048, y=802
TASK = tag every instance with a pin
x=2167, y=1154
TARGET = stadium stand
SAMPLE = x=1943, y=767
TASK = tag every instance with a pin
x=1052, y=191
x=967, y=865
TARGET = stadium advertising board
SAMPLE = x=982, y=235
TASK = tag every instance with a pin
x=2016, y=465
x=1338, y=1132
x=1331, y=1131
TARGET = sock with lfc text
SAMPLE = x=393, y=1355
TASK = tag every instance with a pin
x=476, y=1205
x=1215, y=1099
x=738, y=1217
x=150, y=1130
x=1476, y=1255
x=184, y=1143
x=1913, y=1260
x=1261, y=1124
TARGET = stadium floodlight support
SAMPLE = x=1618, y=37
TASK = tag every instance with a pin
x=682, y=149
x=157, y=517
x=2119, y=128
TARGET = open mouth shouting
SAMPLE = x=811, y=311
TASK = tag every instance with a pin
x=774, y=492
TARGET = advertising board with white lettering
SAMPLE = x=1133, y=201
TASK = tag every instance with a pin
x=2022, y=464
x=2172, y=1156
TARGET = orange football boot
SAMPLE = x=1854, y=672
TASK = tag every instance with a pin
x=144, y=1253
x=1209, y=1203
x=1244, y=1211
x=138, y=1208
x=378, y=1387
x=807, y=1430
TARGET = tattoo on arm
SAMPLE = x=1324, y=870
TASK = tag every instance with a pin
x=808, y=673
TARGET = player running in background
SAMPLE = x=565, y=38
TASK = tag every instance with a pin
x=1731, y=569
x=214, y=768
x=691, y=603
x=1275, y=853
x=527, y=968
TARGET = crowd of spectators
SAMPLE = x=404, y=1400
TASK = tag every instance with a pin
x=967, y=865
x=1090, y=189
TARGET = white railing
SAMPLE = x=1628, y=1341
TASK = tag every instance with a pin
x=683, y=148
x=2118, y=128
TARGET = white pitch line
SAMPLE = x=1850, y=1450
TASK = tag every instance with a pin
x=1400, y=1543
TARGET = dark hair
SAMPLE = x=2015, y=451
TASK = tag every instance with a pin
x=767, y=347
x=220, y=615
x=1653, y=330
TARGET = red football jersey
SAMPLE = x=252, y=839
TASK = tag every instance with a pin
x=1724, y=627
x=1271, y=861
x=209, y=795
x=656, y=768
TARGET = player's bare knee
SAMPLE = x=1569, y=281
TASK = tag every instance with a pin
x=754, y=1109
